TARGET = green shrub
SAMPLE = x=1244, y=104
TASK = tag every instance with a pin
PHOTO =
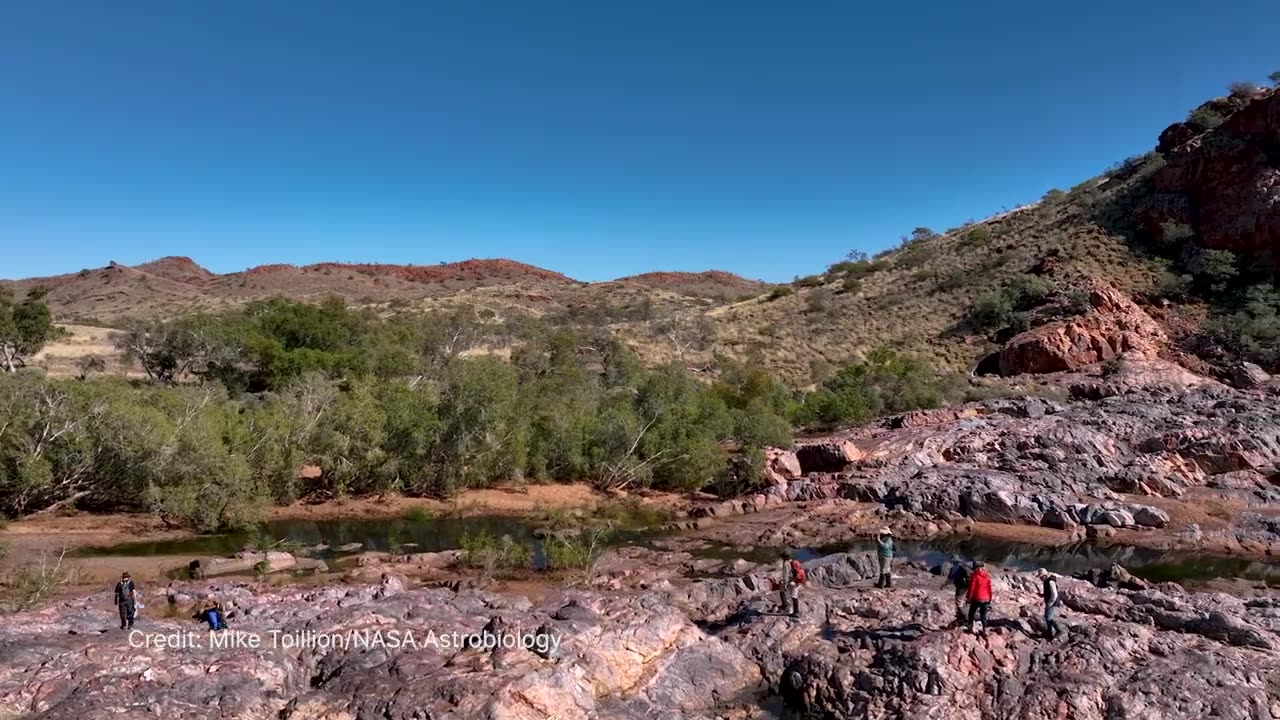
x=418, y=515
x=992, y=310
x=1028, y=291
x=1175, y=234
x=886, y=382
x=977, y=237
x=1053, y=195
x=1204, y=118
x=578, y=553
x=850, y=285
x=1275, y=78
x=779, y=292
x=743, y=473
x=809, y=281
x=1112, y=367
x=492, y=555
x=1252, y=330
x=1213, y=269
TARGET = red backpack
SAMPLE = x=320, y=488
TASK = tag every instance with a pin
x=797, y=571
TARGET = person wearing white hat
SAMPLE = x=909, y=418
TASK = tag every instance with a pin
x=884, y=552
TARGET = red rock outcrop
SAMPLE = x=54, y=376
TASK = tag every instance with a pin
x=1113, y=325
x=1225, y=183
x=780, y=466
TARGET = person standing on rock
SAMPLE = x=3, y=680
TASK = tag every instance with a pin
x=979, y=595
x=793, y=578
x=884, y=552
x=126, y=600
x=958, y=580
x=1052, y=601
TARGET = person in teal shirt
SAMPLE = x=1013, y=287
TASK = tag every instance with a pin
x=884, y=551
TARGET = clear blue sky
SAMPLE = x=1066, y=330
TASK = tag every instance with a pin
x=595, y=138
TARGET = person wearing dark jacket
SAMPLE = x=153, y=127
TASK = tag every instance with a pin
x=1052, y=601
x=958, y=580
x=979, y=596
x=126, y=600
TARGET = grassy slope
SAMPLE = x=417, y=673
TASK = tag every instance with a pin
x=919, y=301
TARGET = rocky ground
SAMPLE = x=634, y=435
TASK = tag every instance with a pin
x=645, y=642
x=1145, y=453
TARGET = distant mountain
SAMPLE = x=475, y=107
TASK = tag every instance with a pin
x=175, y=285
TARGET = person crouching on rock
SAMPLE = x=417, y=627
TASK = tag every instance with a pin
x=211, y=612
x=1052, y=601
x=979, y=595
x=126, y=600
x=793, y=577
x=958, y=580
x=884, y=552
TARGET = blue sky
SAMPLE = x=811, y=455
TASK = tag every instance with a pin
x=598, y=139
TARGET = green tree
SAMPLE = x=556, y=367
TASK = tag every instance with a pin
x=1213, y=269
x=25, y=328
x=482, y=433
x=165, y=350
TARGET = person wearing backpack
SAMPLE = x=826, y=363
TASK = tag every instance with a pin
x=794, y=577
x=1052, y=602
x=126, y=600
x=884, y=554
x=958, y=580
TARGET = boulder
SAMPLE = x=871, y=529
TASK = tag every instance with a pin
x=829, y=455
x=1114, y=325
x=1247, y=375
x=1059, y=518
x=1148, y=516
x=780, y=466
x=247, y=562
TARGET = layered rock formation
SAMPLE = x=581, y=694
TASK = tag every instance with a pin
x=1149, y=430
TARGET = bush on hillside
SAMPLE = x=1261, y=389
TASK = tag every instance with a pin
x=977, y=237
x=1204, y=118
x=886, y=382
x=1006, y=308
x=1243, y=89
x=1213, y=270
x=1253, y=330
x=809, y=281
x=779, y=292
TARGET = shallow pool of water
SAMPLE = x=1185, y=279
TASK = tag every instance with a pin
x=1153, y=565
x=417, y=535
x=432, y=534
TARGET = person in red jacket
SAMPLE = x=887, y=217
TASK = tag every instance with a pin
x=979, y=595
